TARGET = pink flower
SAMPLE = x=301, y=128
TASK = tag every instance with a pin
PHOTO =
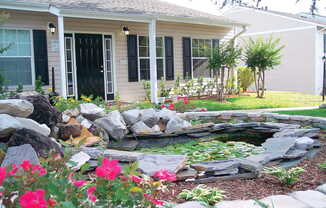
x=51, y=202
x=26, y=165
x=13, y=170
x=136, y=179
x=33, y=199
x=3, y=174
x=42, y=172
x=165, y=175
x=90, y=193
x=186, y=101
x=171, y=106
x=109, y=169
x=154, y=201
x=37, y=168
x=162, y=106
x=79, y=183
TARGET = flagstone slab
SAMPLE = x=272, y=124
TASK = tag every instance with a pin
x=314, y=199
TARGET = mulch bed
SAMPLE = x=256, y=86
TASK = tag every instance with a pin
x=262, y=187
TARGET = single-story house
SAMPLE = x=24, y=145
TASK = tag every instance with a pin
x=305, y=44
x=106, y=47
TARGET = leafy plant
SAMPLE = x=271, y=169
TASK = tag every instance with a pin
x=262, y=204
x=164, y=91
x=38, y=85
x=260, y=56
x=322, y=166
x=181, y=107
x=203, y=193
x=245, y=78
x=288, y=177
x=20, y=88
x=147, y=87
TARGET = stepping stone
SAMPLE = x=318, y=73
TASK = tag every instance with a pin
x=123, y=156
x=191, y=204
x=279, y=146
x=216, y=165
x=283, y=201
x=150, y=163
x=237, y=204
x=314, y=199
x=322, y=188
x=17, y=154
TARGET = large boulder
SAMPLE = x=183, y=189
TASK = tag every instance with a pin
x=114, y=125
x=8, y=125
x=42, y=145
x=131, y=116
x=91, y=111
x=165, y=115
x=33, y=125
x=16, y=107
x=141, y=128
x=16, y=155
x=176, y=124
x=304, y=143
x=149, y=117
x=44, y=112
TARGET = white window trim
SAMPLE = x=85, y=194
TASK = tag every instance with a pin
x=143, y=57
x=192, y=57
x=30, y=86
x=106, y=81
x=72, y=52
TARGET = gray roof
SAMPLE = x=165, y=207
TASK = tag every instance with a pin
x=155, y=8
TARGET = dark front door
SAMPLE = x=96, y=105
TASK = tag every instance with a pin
x=89, y=62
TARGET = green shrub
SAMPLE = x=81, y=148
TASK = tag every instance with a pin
x=322, y=165
x=20, y=88
x=38, y=85
x=147, y=87
x=202, y=193
x=245, y=78
x=288, y=177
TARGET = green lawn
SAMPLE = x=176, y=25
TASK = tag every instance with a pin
x=314, y=112
x=271, y=100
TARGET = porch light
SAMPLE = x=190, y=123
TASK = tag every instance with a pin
x=125, y=30
x=52, y=28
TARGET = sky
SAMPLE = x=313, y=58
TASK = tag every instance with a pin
x=289, y=6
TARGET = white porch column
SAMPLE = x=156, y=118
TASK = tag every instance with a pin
x=152, y=52
x=61, y=34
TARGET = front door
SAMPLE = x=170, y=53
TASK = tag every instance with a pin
x=89, y=64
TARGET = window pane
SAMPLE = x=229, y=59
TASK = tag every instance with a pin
x=144, y=69
x=143, y=41
x=159, y=52
x=159, y=42
x=110, y=87
x=160, y=68
x=200, y=68
x=24, y=49
x=194, y=43
x=16, y=70
x=69, y=67
x=68, y=43
x=143, y=51
x=195, y=52
x=68, y=55
x=23, y=36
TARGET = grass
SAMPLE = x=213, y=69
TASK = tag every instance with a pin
x=313, y=112
x=271, y=100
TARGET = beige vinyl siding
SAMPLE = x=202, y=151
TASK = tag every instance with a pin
x=128, y=91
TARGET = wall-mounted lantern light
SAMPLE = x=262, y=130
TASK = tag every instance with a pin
x=125, y=30
x=52, y=28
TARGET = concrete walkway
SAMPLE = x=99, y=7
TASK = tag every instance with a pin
x=270, y=109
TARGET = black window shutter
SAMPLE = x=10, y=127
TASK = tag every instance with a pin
x=169, y=58
x=186, y=45
x=41, y=55
x=132, y=58
x=216, y=43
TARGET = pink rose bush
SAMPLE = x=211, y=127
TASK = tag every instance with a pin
x=33, y=186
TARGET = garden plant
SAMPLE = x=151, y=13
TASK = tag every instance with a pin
x=285, y=176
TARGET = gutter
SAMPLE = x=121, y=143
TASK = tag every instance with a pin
x=25, y=6
x=244, y=29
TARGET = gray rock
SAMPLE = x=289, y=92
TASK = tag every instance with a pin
x=283, y=201
x=65, y=118
x=221, y=126
x=176, y=124
x=323, y=105
x=131, y=116
x=122, y=156
x=227, y=177
x=249, y=165
x=114, y=125
x=237, y=204
x=8, y=125
x=86, y=123
x=33, y=125
x=304, y=143
x=156, y=129
x=91, y=111
x=78, y=160
x=279, y=146
x=125, y=144
x=260, y=158
x=191, y=204
x=16, y=107
x=298, y=133
x=165, y=114
x=149, y=163
x=186, y=174
x=17, y=154
x=280, y=125
x=322, y=188
x=231, y=171
x=213, y=166
x=141, y=128
x=72, y=112
x=149, y=117
x=296, y=153
x=311, y=198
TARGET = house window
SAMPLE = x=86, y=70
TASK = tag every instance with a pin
x=201, y=52
x=69, y=67
x=144, y=63
x=16, y=62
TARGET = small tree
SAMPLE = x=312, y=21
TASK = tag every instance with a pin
x=260, y=56
x=224, y=59
x=245, y=78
